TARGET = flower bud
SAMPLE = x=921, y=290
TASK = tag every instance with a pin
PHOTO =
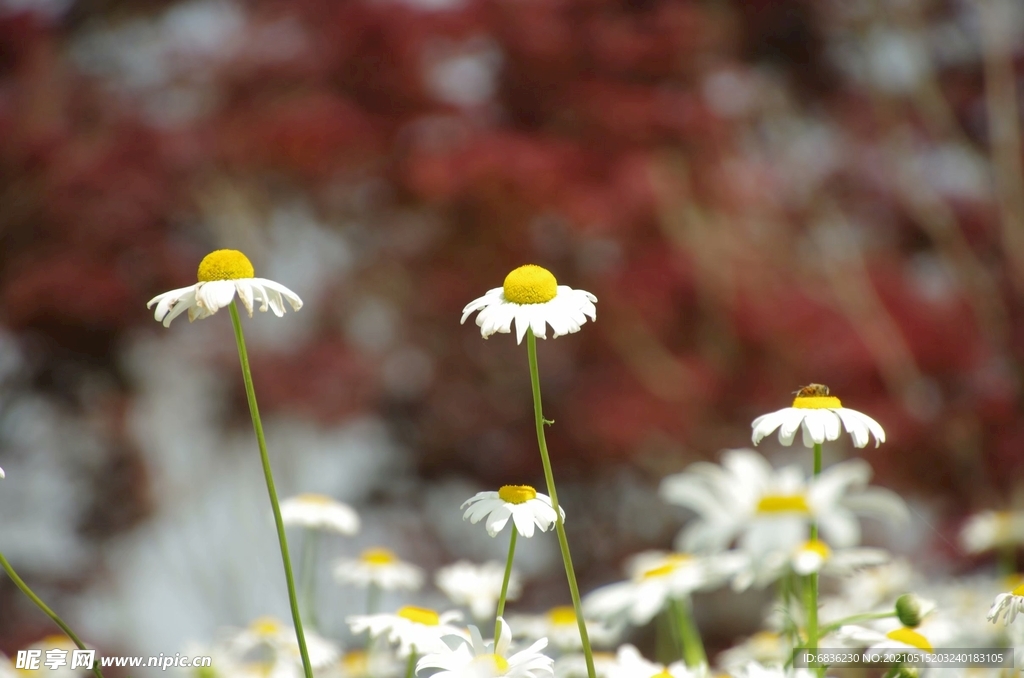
x=910, y=609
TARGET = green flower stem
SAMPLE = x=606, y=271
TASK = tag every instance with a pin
x=549, y=478
x=307, y=576
x=689, y=634
x=410, y=667
x=372, y=598
x=811, y=580
x=257, y=425
x=504, y=582
x=854, y=619
x=20, y=583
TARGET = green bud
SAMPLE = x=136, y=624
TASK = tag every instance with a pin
x=910, y=609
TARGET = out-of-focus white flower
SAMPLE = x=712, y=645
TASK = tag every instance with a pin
x=629, y=663
x=879, y=585
x=560, y=627
x=767, y=510
x=477, y=586
x=268, y=647
x=319, y=512
x=473, y=658
x=992, y=529
x=810, y=557
x=755, y=670
x=523, y=504
x=656, y=578
x=899, y=638
x=1007, y=605
x=222, y=274
x=378, y=567
x=364, y=664
x=6, y=667
x=765, y=648
x=533, y=299
x=819, y=417
x=413, y=628
x=574, y=665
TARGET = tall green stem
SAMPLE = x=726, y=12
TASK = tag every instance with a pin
x=811, y=580
x=19, y=582
x=410, y=667
x=689, y=634
x=257, y=425
x=307, y=576
x=504, y=582
x=549, y=478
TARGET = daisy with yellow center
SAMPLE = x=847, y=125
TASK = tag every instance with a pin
x=559, y=626
x=1007, y=605
x=820, y=417
x=269, y=647
x=415, y=629
x=478, y=587
x=812, y=556
x=473, y=658
x=524, y=505
x=629, y=663
x=320, y=512
x=222, y=275
x=378, y=567
x=533, y=300
x=988, y=530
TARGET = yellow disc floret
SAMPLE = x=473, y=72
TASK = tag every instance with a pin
x=517, y=494
x=817, y=402
x=783, y=503
x=563, y=615
x=378, y=556
x=817, y=546
x=1018, y=590
x=225, y=265
x=419, y=615
x=265, y=626
x=910, y=637
x=530, y=284
x=313, y=498
x=499, y=663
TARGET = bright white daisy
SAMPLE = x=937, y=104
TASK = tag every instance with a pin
x=1007, y=605
x=533, y=299
x=992, y=529
x=810, y=557
x=378, y=567
x=222, y=274
x=523, y=504
x=473, y=658
x=819, y=417
x=629, y=663
x=414, y=629
x=477, y=586
x=268, y=647
x=320, y=512
x=559, y=626
x=765, y=510
x=656, y=578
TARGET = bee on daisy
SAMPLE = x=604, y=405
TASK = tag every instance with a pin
x=819, y=417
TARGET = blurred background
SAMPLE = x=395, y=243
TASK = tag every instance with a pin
x=762, y=194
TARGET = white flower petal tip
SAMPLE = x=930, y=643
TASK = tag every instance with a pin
x=523, y=505
x=222, y=275
x=818, y=417
x=531, y=299
x=1007, y=605
x=472, y=657
x=319, y=512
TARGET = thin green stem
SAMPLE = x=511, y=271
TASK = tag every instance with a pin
x=307, y=576
x=410, y=667
x=20, y=583
x=693, y=647
x=854, y=619
x=549, y=478
x=504, y=582
x=811, y=580
x=257, y=424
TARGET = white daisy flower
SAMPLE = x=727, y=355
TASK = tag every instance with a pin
x=478, y=587
x=992, y=529
x=523, y=504
x=222, y=274
x=533, y=299
x=656, y=578
x=378, y=567
x=810, y=557
x=268, y=647
x=559, y=626
x=629, y=663
x=319, y=512
x=364, y=664
x=875, y=586
x=899, y=638
x=765, y=648
x=767, y=510
x=473, y=658
x=1007, y=605
x=818, y=416
x=756, y=670
x=415, y=629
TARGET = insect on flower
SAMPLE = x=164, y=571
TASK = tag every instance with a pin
x=812, y=391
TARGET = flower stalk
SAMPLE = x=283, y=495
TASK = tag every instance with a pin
x=504, y=583
x=257, y=425
x=689, y=635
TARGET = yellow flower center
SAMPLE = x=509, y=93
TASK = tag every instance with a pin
x=669, y=565
x=517, y=494
x=499, y=663
x=530, y=284
x=1018, y=590
x=225, y=265
x=563, y=615
x=355, y=662
x=378, y=556
x=910, y=637
x=662, y=674
x=817, y=402
x=419, y=615
x=783, y=503
x=319, y=499
x=56, y=640
x=265, y=626
x=817, y=546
